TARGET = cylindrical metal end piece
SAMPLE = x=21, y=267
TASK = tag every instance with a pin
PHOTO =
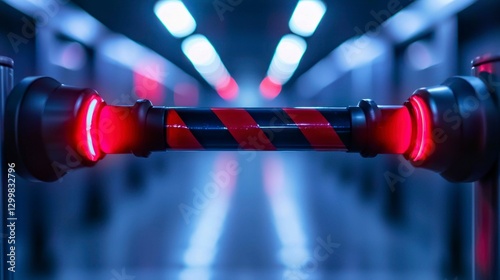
x=41, y=124
x=486, y=190
x=456, y=129
x=380, y=129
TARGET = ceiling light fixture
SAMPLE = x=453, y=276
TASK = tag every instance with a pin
x=176, y=17
x=306, y=17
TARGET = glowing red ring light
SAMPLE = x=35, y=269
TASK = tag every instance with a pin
x=88, y=127
x=422, y=141
x=88, y=130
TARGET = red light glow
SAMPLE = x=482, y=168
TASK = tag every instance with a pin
x=422, y=139
x=269, y=89
x=487, y=67
x=147, y=84
x=87, y=135
x=88, y=127
x=394, y=131
x=274, y=176
x=228, y=90
x=116, y=127
x=485, y=235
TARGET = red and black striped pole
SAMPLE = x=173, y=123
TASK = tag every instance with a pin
x=52, y=128
x=258, y=129
x=451, y=129
x=73, y=123
x=366, y=128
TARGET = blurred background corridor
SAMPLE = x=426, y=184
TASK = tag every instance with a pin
x=247, y=215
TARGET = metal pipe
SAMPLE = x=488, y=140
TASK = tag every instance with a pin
x=55, y=128
x=258, y=129
x=486, y=194
x=6, y=83
x=264, y=129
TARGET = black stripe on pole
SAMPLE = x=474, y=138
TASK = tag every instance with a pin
x=340, y=120
x=280, y=129
x=208, y=129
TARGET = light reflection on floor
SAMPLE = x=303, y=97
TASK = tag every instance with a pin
x=203, y=242
x=289, y=228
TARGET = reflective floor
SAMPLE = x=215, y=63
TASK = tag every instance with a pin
x=237, y=215
x=248, y=215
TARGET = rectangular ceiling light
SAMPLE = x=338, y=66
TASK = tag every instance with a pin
x=176, y=17
x=286, y=59
x=205, y=59
x=207, y=62
x=306, y=17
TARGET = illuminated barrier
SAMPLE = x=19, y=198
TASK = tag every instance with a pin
x=53, y=128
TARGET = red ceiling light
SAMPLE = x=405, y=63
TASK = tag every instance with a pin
x=228, y=90
x=269, y=88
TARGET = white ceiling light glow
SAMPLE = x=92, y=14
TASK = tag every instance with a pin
x=176, y=17
x=286, y=59
x=207, y=62
x=306, y=17
x=205, y=59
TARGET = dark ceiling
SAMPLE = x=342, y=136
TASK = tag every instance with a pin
x=246, y=37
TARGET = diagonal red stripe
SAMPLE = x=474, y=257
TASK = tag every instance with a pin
x=316, y=128
x=244, y=129
x=178, y=134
